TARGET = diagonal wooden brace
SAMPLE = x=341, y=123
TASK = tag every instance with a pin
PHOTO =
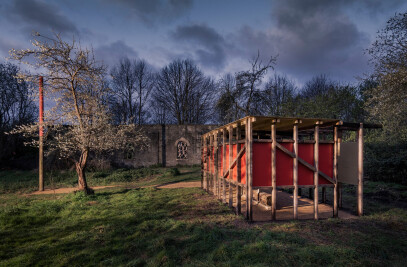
x=231, y=166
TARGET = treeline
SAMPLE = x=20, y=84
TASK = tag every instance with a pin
x=180, y=93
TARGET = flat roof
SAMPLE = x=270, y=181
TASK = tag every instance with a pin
x=285, y=124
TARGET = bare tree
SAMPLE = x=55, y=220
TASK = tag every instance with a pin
x=79, y=122
x=279, y=96
x=226, y=106
x=185, y=93
x=246, y=94
x=16, y=102
x=133, y=82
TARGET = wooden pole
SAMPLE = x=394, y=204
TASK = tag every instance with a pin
x=213, y=164
x=339, y=183
x=205, y=162
x=202, y=161
x=224, y=167
x=335, y=173
x=273, y=171
x=295, y=170
x=41, y=141
x=316, y=162
x=230, y=130
x=360, y=170
x=249, y=167
x=239, y=175
x=215, y=184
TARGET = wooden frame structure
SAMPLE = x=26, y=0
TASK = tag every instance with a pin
x=233, y=160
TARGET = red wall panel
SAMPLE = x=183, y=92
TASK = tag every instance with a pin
x=261, y=164
x=305, y=175
x=326, y=152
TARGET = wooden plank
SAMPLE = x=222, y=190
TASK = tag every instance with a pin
x=223, y=198
x=261, y=205
x=239, y=175
x=273, y=172
x=285, y=150
x=306, y=164
x=335, y=173
x=215, y=184
x=316, y=173
x=230, y=172
x=360, y=170
x=205, y=163
x=249, y=182
x=262, y=140
x=295, y=172
x=234, y=163
x=202, y=162
x=326, y=177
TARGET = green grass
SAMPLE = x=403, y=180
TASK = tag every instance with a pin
x=27, y=181
x=172, y=227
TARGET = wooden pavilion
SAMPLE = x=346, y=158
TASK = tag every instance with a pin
x=272, y=153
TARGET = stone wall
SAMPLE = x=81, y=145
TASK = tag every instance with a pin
x=181, y=145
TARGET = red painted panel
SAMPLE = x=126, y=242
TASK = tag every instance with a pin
x=305, y=175
x=227, y=160
x=326, y=161
x=261, y=164
x=234, y=171
x=284, y=166
x=243, y=168
x=220, y=160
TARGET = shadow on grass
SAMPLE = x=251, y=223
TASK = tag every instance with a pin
x=184, y=227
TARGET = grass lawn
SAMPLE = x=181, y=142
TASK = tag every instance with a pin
x=169, y=227
x=16, y=181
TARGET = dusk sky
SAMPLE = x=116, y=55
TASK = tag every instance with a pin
x=309, y=37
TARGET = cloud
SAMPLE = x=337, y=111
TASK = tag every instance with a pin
x=207, y=45
x=37, y=15
x=154, y=11
x=112, y=53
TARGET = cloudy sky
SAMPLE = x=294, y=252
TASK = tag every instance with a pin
x=310, y=37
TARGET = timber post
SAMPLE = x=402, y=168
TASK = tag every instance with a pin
x=216, y=151
x=41, y=137
x=249, y=169
x=230, y=131
x=273, y=170
x=360, y=170
x=239, y=175
x=224, y=167
x=295, y=170
x=316, y=173
x=202, y=162
x=335, y=173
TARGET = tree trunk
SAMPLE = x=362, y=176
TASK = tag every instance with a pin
x=80, y=170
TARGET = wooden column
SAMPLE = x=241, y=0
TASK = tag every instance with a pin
x=208, y=179
x=224, y=167
x=335, y=173
x=273, y=171
x=210, y=163
x=249, y=166
x=316, y=162
x=360, y=170
x=339, y=183
x=215, y=180
x=230, y=130
x=295, y=170
x=239, y=175
x=205, y=162
x=202, y=162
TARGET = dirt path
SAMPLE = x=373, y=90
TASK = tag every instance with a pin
x=73, y=189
